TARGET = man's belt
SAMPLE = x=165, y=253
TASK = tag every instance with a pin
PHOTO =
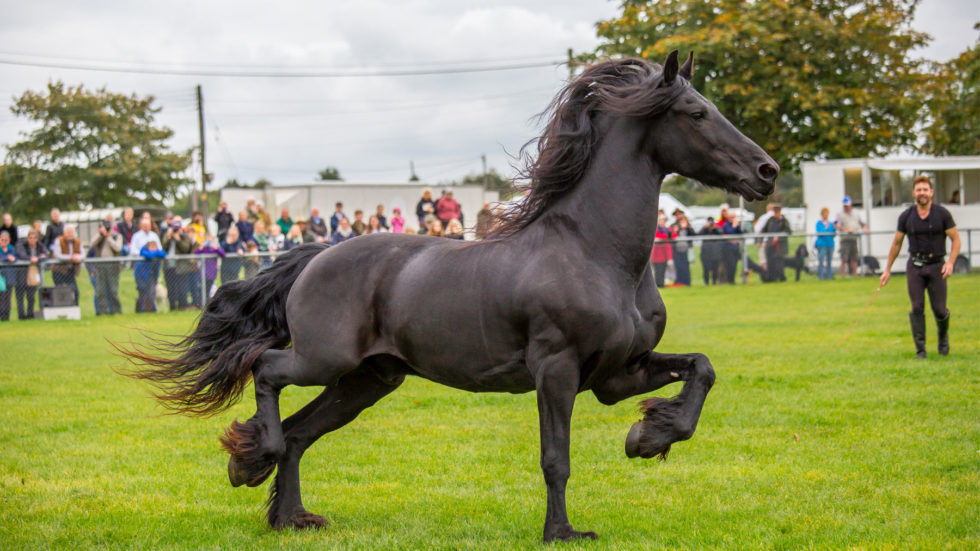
x=921, y=259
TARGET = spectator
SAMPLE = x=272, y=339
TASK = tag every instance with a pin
x=252, y=214
x=277, y=240
x=67, y=248
x=338, y=215
x=253, y=262
x=343, y=232
x=260, y=237
x=731, y=250
x=454, y=230
x=397, y=221
x=662, y=252
x=382, y=219
x=303, y=231
x=294, y=239
x=29, y=278
x=722, y=215
x=776, y=247
x=848, y=223
x=374, y=225
x=434, y=227
x=318, y=226
x=107, y=244
x=284, y=222
x=710, y=252
x=448, y=208
x=224, y=219
x=234, y=248
x=146, y=272
x=9, y=227
x=682, y=228
x=168, y=221
x=200, y=230
x=126, y=228
x=54, y=230
x=953, y=200
x=484, y=221
x=8, y=274
x=358, y=225
x=245, y=227
x=425, y=206
x=264, y=215
x=824, y=245
x=759, y=227
x=143, y=236
x=210, y=247
x=176, y=241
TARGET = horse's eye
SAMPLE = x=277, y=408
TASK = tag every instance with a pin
x=697, y=115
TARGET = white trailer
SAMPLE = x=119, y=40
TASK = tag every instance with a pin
x=882, y=188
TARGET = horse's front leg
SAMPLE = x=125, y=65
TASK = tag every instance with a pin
x=664, y=421
x=557, y=384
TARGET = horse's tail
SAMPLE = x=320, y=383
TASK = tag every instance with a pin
x=214, y=364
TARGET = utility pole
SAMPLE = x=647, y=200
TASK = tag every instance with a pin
x=204, y=173
x=486, y=178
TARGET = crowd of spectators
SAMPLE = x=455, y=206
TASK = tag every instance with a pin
x=150, y=247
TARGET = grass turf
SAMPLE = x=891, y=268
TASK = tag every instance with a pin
x=804, y=443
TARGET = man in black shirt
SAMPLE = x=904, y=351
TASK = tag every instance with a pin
x=927, y=225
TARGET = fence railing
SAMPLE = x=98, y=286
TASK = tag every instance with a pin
x=737, y=256
x=187, y=281
x=177, y=282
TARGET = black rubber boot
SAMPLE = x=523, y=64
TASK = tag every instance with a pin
x=943, y=326
x=918, y=322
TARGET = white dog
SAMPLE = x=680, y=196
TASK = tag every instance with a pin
x=163, y=304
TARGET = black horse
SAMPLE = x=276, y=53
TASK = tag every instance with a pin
x=561, y=302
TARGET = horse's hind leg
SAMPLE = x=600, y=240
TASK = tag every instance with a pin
x=336, y=406
x=664, y=421
x=256, y=445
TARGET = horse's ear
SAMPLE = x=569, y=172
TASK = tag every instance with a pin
x=670, y=67
x=687, y=69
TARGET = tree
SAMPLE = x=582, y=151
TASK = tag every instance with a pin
x=954, y=106
x=329, y=173
x=806, y=80
x=493, y=182
x=92, y=150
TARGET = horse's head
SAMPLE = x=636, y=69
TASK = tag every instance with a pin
x=691, y=137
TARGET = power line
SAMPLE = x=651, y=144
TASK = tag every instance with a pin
x=335, y=73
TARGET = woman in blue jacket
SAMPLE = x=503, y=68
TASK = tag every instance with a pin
x=825, y=245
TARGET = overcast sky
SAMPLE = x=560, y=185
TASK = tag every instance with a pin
x=370, y=127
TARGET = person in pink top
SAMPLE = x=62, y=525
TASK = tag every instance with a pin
x=448, y=208
x=397, y=221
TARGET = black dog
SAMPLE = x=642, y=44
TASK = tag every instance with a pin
x=796, y=262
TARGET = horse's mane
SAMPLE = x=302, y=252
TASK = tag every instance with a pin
x=627, y=87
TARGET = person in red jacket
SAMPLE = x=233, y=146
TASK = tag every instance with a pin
x=448, y=208
x=662, y=250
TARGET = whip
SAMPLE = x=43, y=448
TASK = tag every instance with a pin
x=863, y=312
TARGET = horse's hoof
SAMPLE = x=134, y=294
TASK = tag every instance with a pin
x=633, y=440
x=236, y=473
x=570, y=535
x=301, y=520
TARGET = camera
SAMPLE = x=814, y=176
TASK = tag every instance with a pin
x=107, y=225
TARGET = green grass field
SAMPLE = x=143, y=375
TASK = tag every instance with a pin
x=804, y=443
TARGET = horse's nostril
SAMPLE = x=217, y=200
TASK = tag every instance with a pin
x=768, y=172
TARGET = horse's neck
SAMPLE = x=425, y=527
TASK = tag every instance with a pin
x=615, y=207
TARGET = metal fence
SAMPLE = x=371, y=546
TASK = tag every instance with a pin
x=734, y=258
x=179, y=282
x=183, y=282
